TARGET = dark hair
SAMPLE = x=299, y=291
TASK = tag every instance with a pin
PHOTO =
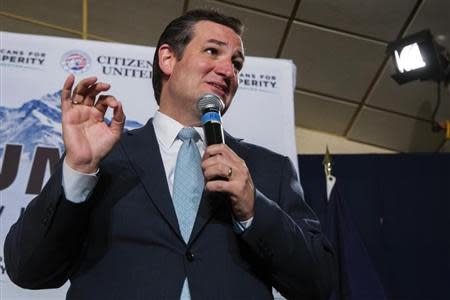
x=179, y=33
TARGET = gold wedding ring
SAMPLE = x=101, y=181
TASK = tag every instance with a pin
x=74, y=101
x=230, y=172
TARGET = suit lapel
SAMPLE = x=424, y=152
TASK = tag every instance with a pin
x=142, y=149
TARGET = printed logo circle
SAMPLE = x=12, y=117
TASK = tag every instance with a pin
x=75, y=61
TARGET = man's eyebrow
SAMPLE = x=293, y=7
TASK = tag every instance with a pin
x=239, y=53
x=214, y=41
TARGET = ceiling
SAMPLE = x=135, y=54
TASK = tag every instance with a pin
x=343, y=75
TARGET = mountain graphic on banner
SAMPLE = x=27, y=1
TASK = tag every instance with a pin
x=37, y=123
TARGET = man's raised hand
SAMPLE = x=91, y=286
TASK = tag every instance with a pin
x=87, y=138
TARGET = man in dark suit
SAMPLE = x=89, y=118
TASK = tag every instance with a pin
x=108, y=219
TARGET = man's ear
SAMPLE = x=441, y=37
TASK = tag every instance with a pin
x=167, y=59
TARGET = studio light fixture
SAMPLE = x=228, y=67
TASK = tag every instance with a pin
x=419, y=57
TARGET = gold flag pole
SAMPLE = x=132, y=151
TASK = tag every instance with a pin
x=327, y=162
x=329, y=178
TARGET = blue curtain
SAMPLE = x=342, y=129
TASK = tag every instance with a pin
x=389, y=218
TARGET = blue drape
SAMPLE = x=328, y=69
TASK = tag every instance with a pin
x=388, y=216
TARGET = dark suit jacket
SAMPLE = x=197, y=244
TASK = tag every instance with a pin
x=124, y=241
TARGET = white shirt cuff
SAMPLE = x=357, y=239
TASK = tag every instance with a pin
x=241, y=226
x=77, y=186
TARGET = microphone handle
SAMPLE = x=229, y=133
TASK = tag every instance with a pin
x=213, y=133
x=212, y=126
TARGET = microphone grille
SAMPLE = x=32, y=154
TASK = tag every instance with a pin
x=208, y=101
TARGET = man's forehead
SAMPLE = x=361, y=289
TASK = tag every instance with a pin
x=209, y=30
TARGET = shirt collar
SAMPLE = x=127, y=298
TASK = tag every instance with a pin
x=167, y=129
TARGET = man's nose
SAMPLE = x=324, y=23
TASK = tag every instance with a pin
x=225, y=68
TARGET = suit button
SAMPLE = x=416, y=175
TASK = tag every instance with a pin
x=190, y=256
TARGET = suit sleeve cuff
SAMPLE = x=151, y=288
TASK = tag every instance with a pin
x=77, y=186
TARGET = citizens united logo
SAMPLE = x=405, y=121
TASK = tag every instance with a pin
x=75, y=61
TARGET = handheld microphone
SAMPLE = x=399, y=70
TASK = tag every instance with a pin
x=211, y=106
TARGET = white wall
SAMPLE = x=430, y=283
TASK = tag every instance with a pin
x=315, y=142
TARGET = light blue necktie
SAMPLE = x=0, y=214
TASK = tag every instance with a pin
x=187, y=187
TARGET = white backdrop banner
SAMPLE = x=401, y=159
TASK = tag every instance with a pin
x=32, y=71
